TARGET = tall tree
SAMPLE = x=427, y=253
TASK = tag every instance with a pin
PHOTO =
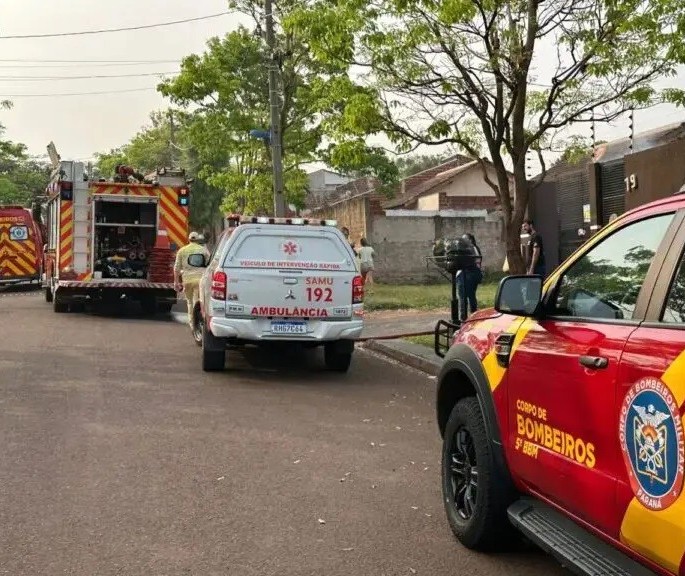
x=166, y=141
x=497, y=78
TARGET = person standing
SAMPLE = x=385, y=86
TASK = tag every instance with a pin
x=346, y=232
x=468, y=280
x=536, y=251
x=366, y=254
x=186, y=277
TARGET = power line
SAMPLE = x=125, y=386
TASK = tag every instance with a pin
x=43, y=78
x=76, y=93
x=88, y=61
x=99, y=65
x=109, y=30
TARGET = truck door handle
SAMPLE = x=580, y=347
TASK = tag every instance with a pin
x=594, y=362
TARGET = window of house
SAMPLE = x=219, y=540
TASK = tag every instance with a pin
x=606, y=281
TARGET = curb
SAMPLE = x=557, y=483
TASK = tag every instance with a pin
x=428, y=366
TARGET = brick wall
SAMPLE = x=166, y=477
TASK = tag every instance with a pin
x=467, y=202
x=402, y=244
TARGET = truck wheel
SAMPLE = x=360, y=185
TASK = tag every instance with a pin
x=338, y=355
x=149, y=305
x=165, y=308
x=474, y=490
x=59, y=305
x=213, y=352
x=48, y=294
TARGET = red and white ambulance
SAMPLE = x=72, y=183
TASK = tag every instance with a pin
x=280, y=280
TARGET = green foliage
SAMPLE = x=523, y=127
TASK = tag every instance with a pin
x=465, y=72
x=22, y=179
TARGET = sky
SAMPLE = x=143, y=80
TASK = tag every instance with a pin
x=83, y=125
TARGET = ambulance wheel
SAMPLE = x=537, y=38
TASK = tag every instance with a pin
x=48, y=294
x=472, y=485
x=338, y=355
x=198, y=326
x=213, y=352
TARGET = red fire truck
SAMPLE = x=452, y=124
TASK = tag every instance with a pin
x=114, y=240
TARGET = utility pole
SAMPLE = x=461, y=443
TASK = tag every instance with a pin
x=172, y=138
x=274, y=100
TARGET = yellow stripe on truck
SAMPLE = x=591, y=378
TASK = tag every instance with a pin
x=494, y=372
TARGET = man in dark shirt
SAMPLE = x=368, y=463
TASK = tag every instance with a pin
x=536, y=251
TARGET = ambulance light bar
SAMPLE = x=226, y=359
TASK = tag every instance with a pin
x=294, y=221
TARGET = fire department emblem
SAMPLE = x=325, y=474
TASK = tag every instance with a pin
x=290, y=248
x=653, y=443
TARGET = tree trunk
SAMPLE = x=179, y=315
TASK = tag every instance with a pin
x=517, y=264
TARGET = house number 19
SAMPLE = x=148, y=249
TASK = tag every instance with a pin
x=631, y=182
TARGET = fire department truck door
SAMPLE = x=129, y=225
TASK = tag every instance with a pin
x=650, y=404
x=562, y=378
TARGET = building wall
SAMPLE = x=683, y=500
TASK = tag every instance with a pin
x=402, y=244
x=471, y=183
x=659, y=172
x=352, y=213
x=429, y=202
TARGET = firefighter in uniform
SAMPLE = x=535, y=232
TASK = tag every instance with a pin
x=186, y=277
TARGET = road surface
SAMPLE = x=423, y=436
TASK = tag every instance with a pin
x=120, y=457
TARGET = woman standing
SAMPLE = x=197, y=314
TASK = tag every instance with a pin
x=366, y=254
x=469, y=279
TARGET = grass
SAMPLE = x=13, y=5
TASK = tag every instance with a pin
x=424, y=340
x=430, y=297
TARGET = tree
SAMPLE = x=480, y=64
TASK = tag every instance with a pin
x=22, y=179
x=471, y=73
x=160, y=144
x=227, y=87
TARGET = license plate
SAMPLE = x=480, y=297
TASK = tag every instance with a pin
x=288, y=327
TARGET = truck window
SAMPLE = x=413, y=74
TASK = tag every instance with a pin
x=674, y=310
x=606, y=281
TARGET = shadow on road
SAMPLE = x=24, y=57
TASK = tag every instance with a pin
x=19, y=288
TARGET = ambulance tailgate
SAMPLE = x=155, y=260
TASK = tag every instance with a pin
x=296, y=272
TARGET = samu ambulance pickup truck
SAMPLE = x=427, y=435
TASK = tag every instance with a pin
x=561, y=409
x=279, y=280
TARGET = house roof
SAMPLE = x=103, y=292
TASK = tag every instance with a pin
x=354, y=189
x=426, y=186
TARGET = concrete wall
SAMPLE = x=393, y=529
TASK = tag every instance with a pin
x=403, y=240
x=470, y=183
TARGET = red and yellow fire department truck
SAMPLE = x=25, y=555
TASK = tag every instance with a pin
x=114, y=240
x=21, y=246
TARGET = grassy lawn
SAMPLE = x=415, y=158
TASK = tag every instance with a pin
x=430, y=297
x=424, y=340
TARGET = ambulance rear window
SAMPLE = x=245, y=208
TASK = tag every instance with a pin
x=309, y=250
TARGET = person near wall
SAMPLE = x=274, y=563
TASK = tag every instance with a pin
x=468, y=280
x=366, y=254
x=536, y=250
x=346, y=233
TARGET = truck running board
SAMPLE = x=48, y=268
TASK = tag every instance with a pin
x=573, y=546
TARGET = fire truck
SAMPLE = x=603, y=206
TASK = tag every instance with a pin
x=113, y=240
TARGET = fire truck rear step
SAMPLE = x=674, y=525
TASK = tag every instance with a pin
x=573, y=546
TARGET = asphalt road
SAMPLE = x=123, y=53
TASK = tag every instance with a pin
x=121, y=457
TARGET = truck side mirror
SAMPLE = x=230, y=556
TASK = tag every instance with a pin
x=519, y=295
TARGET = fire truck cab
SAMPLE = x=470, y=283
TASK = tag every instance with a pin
x=21, y=246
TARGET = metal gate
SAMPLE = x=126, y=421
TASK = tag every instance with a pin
x=612, y=190
x=572, y=193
